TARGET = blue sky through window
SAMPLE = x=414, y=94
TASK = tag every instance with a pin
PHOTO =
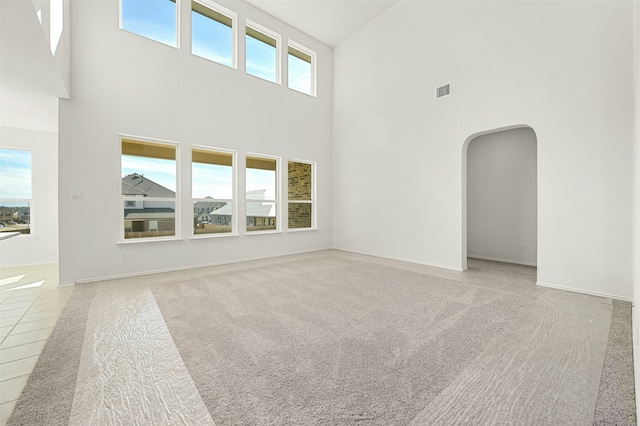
x=258, y=179
x=211, y=39
x=162, y=172
x=15, y=174
x=154, y=19
x=261, y=59
x=212, y=180
x=299, y=72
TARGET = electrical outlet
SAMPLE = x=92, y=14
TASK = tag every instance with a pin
x=124, y=255
x=76, y=194
x=521, y=246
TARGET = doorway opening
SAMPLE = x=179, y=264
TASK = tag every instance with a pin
x=500, y=197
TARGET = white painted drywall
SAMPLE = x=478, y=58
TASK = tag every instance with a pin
x=126, y=84
x=636, y=198
x=502, y=197
x=42, y=245
x=398, y=152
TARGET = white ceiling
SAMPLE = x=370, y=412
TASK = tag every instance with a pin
x=330, y=21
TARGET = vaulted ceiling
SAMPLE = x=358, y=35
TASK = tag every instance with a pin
x=330, y=21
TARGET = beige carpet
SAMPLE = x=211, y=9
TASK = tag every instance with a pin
x=328, y=340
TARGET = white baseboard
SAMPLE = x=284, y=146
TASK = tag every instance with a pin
x=492, y=259
x=185, y=268
x=579, y=290
x=399, y=259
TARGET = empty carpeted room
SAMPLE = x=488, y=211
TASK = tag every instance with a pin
x=314, y=212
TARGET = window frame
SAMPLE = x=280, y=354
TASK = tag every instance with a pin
x=314, y=215
x=276, y=201
x=234, y=30
x=314, y=67
x=177, y=45
x=234, y=192
x=271, y=34
x=176, y=200
x=25, y=200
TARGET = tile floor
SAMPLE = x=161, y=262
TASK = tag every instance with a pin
x=30, y=304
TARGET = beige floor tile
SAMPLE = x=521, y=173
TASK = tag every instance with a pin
x=25, y=327
x=37, y=316
x=47, y=307
x=22, y=351
x=51, y=298
x=24, y=338
x=6, y=322
x=5, y=411
x=5, y=330
x=12, y=314
x=18, y=368
x=6, y=307
x=14, y=299
x=11, y=389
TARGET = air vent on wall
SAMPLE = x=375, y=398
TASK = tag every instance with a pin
x=443, y=90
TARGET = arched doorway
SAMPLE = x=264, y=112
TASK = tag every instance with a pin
x=499, y=196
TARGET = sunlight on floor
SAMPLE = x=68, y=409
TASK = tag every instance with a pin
x=30, y=304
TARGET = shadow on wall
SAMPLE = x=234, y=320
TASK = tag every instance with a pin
x=500, y=196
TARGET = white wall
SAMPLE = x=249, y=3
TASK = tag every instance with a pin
x=398, y=168
x=502, y=197
x=636, y=198
x=125, y=84
x=42, y=245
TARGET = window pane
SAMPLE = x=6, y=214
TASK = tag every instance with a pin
x=148, y=176
x=151, y=172
x=261, y=182
x=261, y=55
x=150, y=219
x=212, y=217
x=15, y=174
x=261, y=216
x=299, y=71
x=212, y=35
x=15, y=216
x=299, y=181
x=154, y=19
x=299, y=215
x=212, y=175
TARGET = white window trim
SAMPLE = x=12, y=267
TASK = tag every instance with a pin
x=177, y=46
x=234, y=30
x=234, y=194
x=314, y=207
x=178, y=227
x=254, y=25
x=277, y=201
x=314, y=68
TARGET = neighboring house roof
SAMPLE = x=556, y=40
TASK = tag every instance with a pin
x=136, y=184
x=253, y=210
x=212, y=203
x=149, y=214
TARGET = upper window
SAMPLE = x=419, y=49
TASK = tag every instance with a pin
x=212, y=191
x=262, y=52
x=15, y=190
x=148, y=188
x=300, y=187
x=301, y=69
x=154, y=19
x=212, y=32
x=262, y=201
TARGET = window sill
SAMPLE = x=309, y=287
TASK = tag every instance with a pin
x=148, y=240
x=210, y=236
x=301, y=229
x=263, y=232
